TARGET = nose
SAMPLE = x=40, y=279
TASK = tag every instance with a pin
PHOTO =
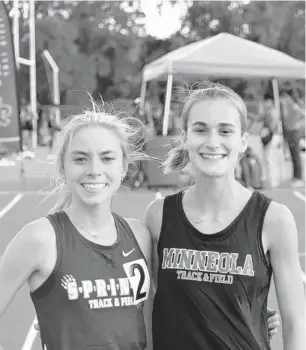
x=213, y=140
x=95, y=168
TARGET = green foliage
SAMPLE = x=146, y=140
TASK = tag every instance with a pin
x=276, y=24
x=101, y=46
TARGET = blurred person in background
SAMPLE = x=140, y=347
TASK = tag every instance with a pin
x=26, y=126
x=251, y=170
x=293, y=121
x=144, y=114
x=54, y=125
x=158, y=110
x=269, y=140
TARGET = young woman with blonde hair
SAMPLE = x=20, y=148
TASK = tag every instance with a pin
x=87, y=268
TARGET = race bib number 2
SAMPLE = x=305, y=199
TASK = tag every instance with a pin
x=139, y=279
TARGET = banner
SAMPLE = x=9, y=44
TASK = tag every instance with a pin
x=10, y=133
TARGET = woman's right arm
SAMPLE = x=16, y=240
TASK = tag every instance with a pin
x=23, y=256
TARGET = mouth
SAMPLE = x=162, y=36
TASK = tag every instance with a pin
x=93, y=187
x=212, y=156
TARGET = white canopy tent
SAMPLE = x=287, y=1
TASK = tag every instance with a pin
x=224, y=55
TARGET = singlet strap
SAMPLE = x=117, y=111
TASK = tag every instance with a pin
x=125, y=228
x=170, y=212
x=171, y=206
x=263, y=205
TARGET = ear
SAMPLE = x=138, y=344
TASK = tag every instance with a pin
x=183, y=136
x=125, y=169
x=244, y=142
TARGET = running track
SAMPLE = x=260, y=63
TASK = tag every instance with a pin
x=18, y=208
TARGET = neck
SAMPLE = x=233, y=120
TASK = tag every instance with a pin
x=93, y=217
x=215, y=194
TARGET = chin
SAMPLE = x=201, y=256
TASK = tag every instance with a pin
x=94, y=202
x=214, y=174
x=93, y=199
x=216, y=171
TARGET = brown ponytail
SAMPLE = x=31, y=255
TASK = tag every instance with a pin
x=177, y=159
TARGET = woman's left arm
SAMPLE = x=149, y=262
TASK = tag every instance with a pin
x=281, y=233
x=144, y=240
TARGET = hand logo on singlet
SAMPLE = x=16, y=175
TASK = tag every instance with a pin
x=69, y=283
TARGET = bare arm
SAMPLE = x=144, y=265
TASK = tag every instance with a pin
x=144, y=240
x=147, y=239
x=283, y=247
x=21, y=258
x=153, y=221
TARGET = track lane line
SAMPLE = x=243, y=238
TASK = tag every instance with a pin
x=10, y=205
x=30, y=338
x=299, y=195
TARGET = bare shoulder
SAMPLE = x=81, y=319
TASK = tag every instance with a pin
x=37, y=236
x=278, y=215
x=279, y=224
x=138, y=227
x=154, y=217
x=35, y=231
x=39, y=231
x=29, y=249
x=141, y=234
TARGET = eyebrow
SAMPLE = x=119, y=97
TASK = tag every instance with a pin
x=221, y=124
x=86, y=153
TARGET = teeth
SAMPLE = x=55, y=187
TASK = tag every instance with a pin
x=212, y=156
x=94, y=186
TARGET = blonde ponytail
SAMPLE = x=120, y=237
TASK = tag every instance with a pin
x=62, y=203
x=56, y=186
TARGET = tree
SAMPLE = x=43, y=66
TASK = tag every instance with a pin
x=276, y=24
x=108, y=33
x=95, y=45
x=101, y=46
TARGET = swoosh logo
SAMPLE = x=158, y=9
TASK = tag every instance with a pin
x=128, y=253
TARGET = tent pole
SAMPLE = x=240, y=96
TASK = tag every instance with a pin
x=33, y=87
x=277, y=104
x=276, y=96
x=167, y=104
x=143, y=94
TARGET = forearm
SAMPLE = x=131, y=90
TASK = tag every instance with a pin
x=148, y=308
x=294, y=335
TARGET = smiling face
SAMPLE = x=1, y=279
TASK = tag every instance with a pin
x=214, y=137
x=94, y=165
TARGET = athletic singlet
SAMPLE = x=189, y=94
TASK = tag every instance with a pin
x=93, y=299
x=212, y=289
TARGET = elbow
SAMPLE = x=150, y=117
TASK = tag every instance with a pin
x=294, y=331
x=294, y=323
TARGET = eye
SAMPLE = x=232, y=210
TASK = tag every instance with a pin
x=80, y=160
x=200, y=130
x=107, y=159
x=226, y=131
